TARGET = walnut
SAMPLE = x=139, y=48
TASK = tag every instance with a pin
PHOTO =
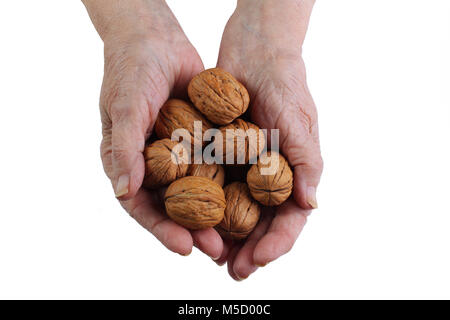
x=215, y=172
x=218, y=95
x=241, y=213
x=245, y=145
x=164, y=163
x=177, y=114
x=270, y=187
x=195, y=202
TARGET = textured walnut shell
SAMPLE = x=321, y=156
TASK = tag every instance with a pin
x=214, y=171
x=195, y=202
x=273, y=189
x=237, y=141
x=241, y=213
x=218, y=95
x=177, y=114
x=160, y=169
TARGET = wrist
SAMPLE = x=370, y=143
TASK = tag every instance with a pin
x=276, y=3
x=116, y=19
x=288, y=17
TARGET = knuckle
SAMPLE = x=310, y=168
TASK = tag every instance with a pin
x=120, y=111
x=319, y=163
x=316, y=167
x=305, y=157
x=119, y=154
x=134, y=209
x=131, y=113
x=106, y=129
x=106, y=147
x=105, y=154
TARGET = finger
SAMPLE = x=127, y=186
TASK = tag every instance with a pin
x=230, y=261
x=282, y=233
x=209, y=242
x=193, y=67
x=244, y=265
x=130, y=123
x=148, y=212
x=227, y=244
x=106, y=151
x=300, y=143
x=308, y=166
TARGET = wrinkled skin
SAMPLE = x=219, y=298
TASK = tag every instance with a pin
x=148, y=58
x=261, y=48
x=141, y=71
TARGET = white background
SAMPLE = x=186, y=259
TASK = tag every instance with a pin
x=380, y=75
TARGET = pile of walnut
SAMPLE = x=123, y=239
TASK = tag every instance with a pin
x=195, y=198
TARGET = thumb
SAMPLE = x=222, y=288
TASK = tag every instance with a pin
x=300, y=144
x=130, y=122
x=308, y=165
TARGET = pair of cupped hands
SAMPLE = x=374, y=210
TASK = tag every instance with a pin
x=149, y=59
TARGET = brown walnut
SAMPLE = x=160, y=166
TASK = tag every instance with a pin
x=241, y=213
x=195, y=202
x=274, y=188
x=178, y=114
x=218, y=95
x=163, y=163
x=244, y=139
x=214, y=171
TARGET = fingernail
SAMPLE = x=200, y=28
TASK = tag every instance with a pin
x=185, y=254
x=215, y=259
x=122, y=185
x=240, y=279
x=311, y=197
x=260, y=265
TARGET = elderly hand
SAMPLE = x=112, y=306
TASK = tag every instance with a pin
x=147, y=58
x=261, y=47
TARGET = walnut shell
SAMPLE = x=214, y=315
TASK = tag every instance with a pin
x=195, y=202
x=237, y=141
x=241, y=214
x=218, y=95
x=160, y=169
x=214, y=171
x=274, y=188
x=178, y=114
